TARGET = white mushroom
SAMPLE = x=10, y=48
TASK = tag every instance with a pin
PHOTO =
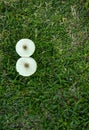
x=25, y=47
x=26, y=66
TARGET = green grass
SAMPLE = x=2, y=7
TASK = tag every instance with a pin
x=56, y=97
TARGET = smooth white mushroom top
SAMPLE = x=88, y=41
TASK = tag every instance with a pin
x=26, y=66
x=25, y=47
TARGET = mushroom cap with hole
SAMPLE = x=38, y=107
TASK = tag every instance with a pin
x=25, y=47
x=26, y=66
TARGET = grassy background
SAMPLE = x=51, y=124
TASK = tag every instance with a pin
x=56, y=97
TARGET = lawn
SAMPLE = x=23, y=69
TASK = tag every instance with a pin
x=56, y=97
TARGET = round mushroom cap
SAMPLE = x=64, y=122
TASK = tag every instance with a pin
x=25, y=47
x=26, y=66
